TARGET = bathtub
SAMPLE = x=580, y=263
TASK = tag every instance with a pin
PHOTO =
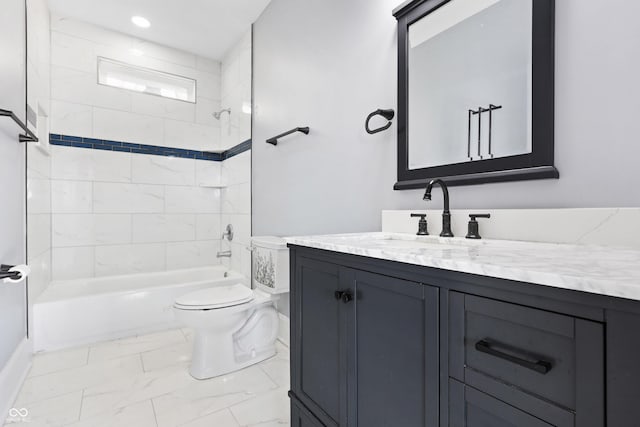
x=78, y=312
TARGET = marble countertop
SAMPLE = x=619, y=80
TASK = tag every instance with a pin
x=587, y=268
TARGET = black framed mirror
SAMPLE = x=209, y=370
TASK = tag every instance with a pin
x=475, y=91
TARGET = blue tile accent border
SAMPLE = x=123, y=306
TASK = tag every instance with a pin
x=154, y=150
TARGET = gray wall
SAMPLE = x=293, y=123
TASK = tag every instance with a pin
x=12, y=177
x=327, y=63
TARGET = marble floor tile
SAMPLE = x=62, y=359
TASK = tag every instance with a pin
x=222, y=418
x=46, y=363
x=205, y=397
x=55, y=384
x=283, y=351
x=137, y=415
x=177, y=354
x=270, y=408
x=144, y=381
x=278, y=370
x=133, y=389
x=188, y=334
x=134, y=345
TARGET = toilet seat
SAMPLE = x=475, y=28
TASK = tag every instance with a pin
x=215, y=298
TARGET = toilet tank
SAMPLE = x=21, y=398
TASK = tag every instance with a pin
x=270, y=259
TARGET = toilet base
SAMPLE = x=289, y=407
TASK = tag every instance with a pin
x=211, y=369
x=227, y=340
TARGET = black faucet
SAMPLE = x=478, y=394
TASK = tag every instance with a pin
x=446, y=214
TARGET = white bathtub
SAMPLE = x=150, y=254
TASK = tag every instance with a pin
x=76, y=312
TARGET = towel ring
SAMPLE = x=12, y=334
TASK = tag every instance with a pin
x=387, y=114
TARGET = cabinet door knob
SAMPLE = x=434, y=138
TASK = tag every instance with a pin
x=346, y=297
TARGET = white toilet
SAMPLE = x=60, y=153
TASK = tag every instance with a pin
x=235, y=326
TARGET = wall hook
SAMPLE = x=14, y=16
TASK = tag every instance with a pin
x=387, y=114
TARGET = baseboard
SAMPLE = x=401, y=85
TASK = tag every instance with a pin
x=283, y=330
x=12, y=376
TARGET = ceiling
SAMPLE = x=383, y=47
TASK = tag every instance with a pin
x=205, y=27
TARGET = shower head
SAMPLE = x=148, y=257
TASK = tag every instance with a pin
x=217, y=114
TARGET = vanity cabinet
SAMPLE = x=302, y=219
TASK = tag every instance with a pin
x=377, y=343
x=469, y=407
x=548, y=365
x=363, y=347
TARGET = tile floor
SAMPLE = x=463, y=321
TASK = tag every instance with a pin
x=143, y=381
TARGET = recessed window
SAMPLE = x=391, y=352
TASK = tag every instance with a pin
x=144, y=80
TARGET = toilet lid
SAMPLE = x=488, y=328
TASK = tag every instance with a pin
x=216, y=297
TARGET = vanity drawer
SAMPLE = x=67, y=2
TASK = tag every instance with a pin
x=527, y=354
x=469, y=407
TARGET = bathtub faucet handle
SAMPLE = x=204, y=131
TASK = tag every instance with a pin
x=228, y=232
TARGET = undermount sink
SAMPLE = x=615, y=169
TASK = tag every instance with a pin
x=418, y=242
x=399, y=241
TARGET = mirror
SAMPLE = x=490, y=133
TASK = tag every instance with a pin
x=475, y=91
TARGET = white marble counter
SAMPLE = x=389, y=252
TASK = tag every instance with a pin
x=594, y=269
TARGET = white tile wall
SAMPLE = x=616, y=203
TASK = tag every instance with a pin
x=209, y=173
x=39, y=195
x=208, y=227
x=38, y=234
x=236, y=171
x=129, y=259
x=191, y=254
x=38, y=160
x=236, y=210
x=151, y=228
x=163, y=170
x=125, y=126
x=71, y=196
x=90, y=230
x=84, y=108
x=109, y=197
x=70, y=118
x=236, y=92
x=90, y=165
x=192, y=199
x=73, y=263
x=121, y=213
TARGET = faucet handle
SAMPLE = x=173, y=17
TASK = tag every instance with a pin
x=473, y=231
x=422, y=224
x=474, y=216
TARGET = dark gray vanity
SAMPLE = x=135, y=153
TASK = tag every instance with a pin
x=377, y=342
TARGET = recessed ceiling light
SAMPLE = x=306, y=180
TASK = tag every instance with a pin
x=140, y=21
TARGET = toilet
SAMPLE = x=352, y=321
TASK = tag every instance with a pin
x=236, y=326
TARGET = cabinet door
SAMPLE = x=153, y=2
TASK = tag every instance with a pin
x=469, y=407
x=393, y=352
x=300, y=417
x=318, y=330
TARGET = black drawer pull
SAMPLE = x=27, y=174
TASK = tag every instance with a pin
x=339, y=295
x=541, y=366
